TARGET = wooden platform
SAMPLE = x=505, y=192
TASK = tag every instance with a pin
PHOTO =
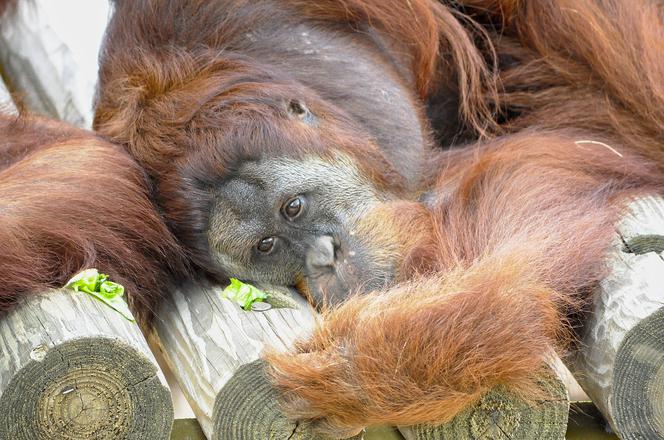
x=585, y=423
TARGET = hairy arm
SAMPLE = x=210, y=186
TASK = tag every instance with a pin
x=523, y=226
x=422, y=351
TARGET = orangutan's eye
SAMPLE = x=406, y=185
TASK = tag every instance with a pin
x=293, y=207
x=266, y=245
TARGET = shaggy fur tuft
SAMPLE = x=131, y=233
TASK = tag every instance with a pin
x=562, y=102
x=70, y=201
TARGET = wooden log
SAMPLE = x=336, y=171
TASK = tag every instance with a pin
x=190, y=429
x=502, y=415
x=213, y=347
x=620, y=363
x=585, y=423
x=73, y=368
x=49, y=56
x=6, y=103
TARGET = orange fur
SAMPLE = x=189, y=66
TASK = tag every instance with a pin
x=522, y=226
x=399, y=227
x=563, y=104
x=71, y=201
x=396, y=356
x=519, y=240
x=438, y=45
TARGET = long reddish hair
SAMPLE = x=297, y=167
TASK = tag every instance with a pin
x=71, y=201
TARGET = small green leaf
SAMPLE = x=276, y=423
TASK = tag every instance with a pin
x=85, y=281
x=97, y=284
x=109, y=289
x=243, y=294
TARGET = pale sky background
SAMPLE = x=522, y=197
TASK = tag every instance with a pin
x=80, y=24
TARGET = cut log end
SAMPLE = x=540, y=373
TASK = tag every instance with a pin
x=502, y=415
x=638, y=382
x=73, y=368
x=247, y=408
x=620, y=363
x=87, y=388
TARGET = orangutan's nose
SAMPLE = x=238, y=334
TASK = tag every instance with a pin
x=321, y=255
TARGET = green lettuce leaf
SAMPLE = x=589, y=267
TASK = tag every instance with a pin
x=243, y=294
x=98, y=285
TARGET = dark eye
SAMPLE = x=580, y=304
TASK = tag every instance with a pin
x=266, y=245
x=293, y=208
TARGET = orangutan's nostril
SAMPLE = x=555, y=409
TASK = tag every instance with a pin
x=322, y=253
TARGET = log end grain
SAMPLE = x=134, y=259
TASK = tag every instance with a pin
x=502, y=415
x=96, y=388
x=638, y=381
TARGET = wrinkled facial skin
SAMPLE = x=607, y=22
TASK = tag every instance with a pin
x=254, y=236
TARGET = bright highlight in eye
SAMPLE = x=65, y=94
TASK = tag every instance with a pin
x=266, y=245
x=293, y=208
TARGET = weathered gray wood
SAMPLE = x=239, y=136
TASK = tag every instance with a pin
x=621, y=361
x=73, y=368
x=48, y=53
x=502, y=415
x=6, y=103
x=190, y=429
x=212, y=346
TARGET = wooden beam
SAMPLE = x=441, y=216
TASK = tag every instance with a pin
x=620, y=363
x=190, y=429
x=72, y=367
x=501, y=415
x=49, y=56
x=585, y=423
x=213, y=347
x=187, y=429
x=6, y=103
